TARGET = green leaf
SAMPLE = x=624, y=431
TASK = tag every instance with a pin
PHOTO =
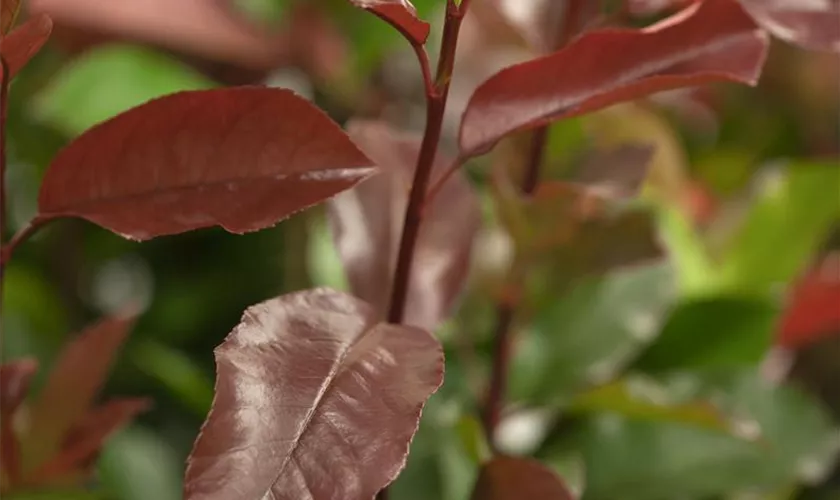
x=109, y=80
x=694, y=268
x=589, y=334
x=713, y=333
x=137, y=464
x=789, y=220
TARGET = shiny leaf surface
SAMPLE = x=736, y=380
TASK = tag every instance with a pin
x=367, y=223
x=240, y=158
x=314, y=399
x=712, y=41
x=401, y=15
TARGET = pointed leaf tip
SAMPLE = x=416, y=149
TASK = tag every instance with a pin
x=400, y=14
x=22, y=43
x=240, y=158
x=711, y=41
x=314, y=399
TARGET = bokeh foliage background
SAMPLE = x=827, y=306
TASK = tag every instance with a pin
x=670, y=337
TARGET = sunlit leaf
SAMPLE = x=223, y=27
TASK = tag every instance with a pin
x=314, y=398
x=109, y=80
x=367, y=226
x=511, y=478
x=712, y=41
x=241, y=158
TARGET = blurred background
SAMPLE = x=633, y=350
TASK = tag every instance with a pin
x=729, y=157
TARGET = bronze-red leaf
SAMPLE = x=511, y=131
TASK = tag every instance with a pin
x=712, y=41
x=314, y=399
x=510, y=478
x=15, y=378
x=240, y=158
x=19, y=46
x=367, y=220
x=401, y=15
x=809, y=24
x=73, y=383
x=8, y=12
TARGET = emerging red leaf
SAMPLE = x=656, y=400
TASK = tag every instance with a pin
x=401, y=15
x=810, y=24
x=8, y=12
x=509, y=478
x=241, y=158
x=314, y=399
x=19, y=46
x=712, y=41
x=367, y=222
x=72, y=385
x=15, y=378
x=814, y=311
x=84, y=441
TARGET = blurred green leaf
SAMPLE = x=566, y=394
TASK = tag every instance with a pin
x=109, y=80
x=324, y=264
x=647, y=400
x=788, y=222
x=718, y=332
x=187, y=383
x=137, y=464
x=694, y=269
x=589, y=334
x=57, y=495
x=785, y=437
x=472, y=436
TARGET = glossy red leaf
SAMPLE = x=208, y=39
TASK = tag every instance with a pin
x=19, y=46
x=83, y=443
x=314, y=399
x=15, y=378
x=813, y=24
x=401, y=15
x=240, y=158
x=73, y=383
x=713, y=41
x=367, y=220
x=8, y=12
x=510, y=478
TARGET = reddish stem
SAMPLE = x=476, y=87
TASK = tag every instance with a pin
x=4, y=96
x=502, y=341
x=436, y=96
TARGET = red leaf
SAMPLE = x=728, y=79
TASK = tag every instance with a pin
x=367, y=223
x=241, y=158
x=814, y=311
x=709, y=42
x=85, y=440
x=73, y=383
x=401, y=15
x=8, y=12
x=314, y=399
x=15, y=378
x=810, y=24
x=19, y=46
x=509, y=478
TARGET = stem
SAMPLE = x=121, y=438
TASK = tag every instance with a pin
x=502, y=342
x=436, y=96
x=22, y=235
x=435, y=107
x=4, y=97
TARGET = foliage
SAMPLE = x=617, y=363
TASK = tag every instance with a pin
x=593, y=247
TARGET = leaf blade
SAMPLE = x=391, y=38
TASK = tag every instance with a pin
x=400, y=14
x=333, y=340
x=708, y=42
x=509, y=478
x=222, y=157
x=811, y=25
x=19, y=46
